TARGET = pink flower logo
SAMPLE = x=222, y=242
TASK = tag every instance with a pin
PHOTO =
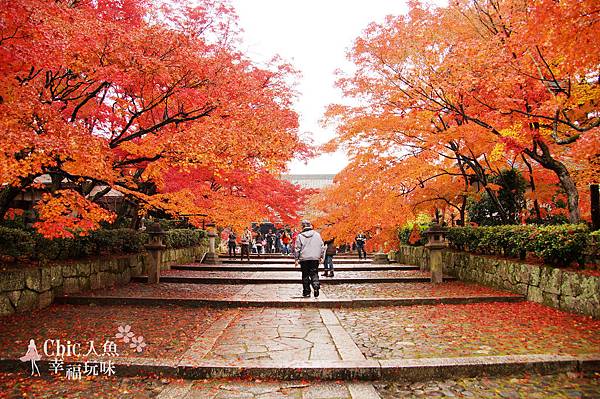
x=124, y=333
x=137, y=343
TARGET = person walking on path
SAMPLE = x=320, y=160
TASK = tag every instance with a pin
x=270, y=237
x=330, y=252
x=285, y=243
x=293, y=241
x=246, y=240
x=259, y=244
x=231, y=243
x=360, y=240
x=309, y=251
x=278, y=241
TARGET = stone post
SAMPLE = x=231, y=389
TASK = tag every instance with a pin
x=211, y=257
x=379, y=257
x=436, y=243
x=155, y=246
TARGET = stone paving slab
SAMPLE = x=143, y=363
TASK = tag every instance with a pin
x=277, y=336
x=228, y=389
x=481, y=329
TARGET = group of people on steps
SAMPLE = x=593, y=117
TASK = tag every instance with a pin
x=307, y=247
x=254, y=242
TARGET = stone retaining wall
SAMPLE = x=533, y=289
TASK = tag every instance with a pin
x=562, y=289
x=35, y=288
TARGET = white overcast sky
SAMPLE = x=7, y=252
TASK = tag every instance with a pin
x=313, y=35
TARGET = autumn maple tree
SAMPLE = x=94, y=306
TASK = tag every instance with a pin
x=150, y=99
x=446, y=99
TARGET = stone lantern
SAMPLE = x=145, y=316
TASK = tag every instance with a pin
x=211, y=256
x=155, y=246
x=380, y=257
x=436, y=243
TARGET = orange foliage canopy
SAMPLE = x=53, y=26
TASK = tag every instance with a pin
x=445, y=98
x=136, y=95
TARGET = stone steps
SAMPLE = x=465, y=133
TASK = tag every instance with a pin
x=243, y=267
x=367, y=370
x=297, y=302
x=290, y=280
x=282, y=261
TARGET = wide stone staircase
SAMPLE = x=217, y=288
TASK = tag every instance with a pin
x=372, y=322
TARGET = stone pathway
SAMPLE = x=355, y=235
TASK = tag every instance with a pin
x=270, y=390
x=285, y=346
x=274, y=337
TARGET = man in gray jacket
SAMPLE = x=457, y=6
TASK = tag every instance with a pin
x=309, y=251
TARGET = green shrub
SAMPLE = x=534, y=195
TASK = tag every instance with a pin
x=560, y=245
x=16, y=242
x=181, y=238
x=404, y=235
x=19, y=243
x=555, y=245
x=465, y=238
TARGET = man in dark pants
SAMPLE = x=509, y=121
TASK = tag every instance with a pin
x=309, y=251
x=232, y=243
x=361, y=239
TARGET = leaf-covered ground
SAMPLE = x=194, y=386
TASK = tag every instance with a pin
x=469, y=330
x=22, y=385
x=167, y=330
x=559, y=386
x=410, y=290
x=168, y=290
x=287, y=291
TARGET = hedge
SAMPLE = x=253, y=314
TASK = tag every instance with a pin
x=404, y=235
x=18, y=243
x=558, y=245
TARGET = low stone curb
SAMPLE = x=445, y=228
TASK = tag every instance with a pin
x=291, y=303
x=411, y=370
x=290, y=268
x=259, y=280
x=284, y=261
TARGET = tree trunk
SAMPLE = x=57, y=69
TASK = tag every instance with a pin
x=566, y=181
x=595, y=200
x=536, y=204
x=463, y=211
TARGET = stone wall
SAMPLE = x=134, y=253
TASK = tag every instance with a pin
x=35, y=288
x=562, y=289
